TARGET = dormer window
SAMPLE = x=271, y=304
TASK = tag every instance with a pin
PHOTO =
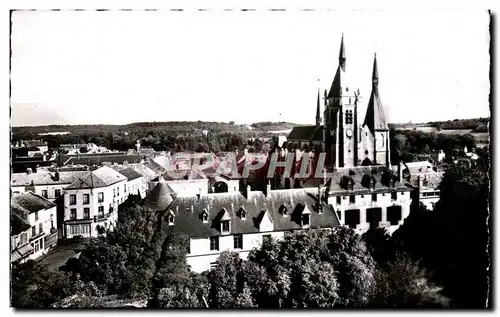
x=170, y=218
x=283, y=210
x=305, y=220
x=243, y=213
x=305, y=217
x=204, y=216
x=225, y=226
x=225, y=221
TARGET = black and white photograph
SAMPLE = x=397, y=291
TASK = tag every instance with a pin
x=250, y=159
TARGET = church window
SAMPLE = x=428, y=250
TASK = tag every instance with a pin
x=382, y=139
x=348, y=117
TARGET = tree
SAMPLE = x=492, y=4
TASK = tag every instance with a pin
x=458, y=260
x=37, y=286
x=295, y=269
x=404, y=284
x=244, y=299
x=224, y=280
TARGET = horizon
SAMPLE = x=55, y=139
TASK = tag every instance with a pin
x=222, y=122
x=76, y=68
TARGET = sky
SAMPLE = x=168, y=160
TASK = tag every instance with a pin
x=117, y=67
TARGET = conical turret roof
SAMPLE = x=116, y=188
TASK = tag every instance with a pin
x=161, y=197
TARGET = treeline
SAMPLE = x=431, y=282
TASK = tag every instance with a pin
x=435, y=259
x=474, y=124
x=409, y=144
x=140, y=128
x=273, y=126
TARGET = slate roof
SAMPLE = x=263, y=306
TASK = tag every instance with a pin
x=188, y=175
x=43, y=177
x=101, y=177
x=99, y=159
x=29, y=202
x=188, y=212
x=160, y=197
x=307, y=132
x=17, y=224
x=362, y=181
x=129, y=173
x=155, y=167
x=142, y=169
x=375, y=117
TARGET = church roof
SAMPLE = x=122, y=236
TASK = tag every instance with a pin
x=375, y=117
x=306, y=132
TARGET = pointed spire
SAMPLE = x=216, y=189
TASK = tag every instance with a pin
x=318, y=116
x=375, y=71
x=375, y=116
x=342, y=58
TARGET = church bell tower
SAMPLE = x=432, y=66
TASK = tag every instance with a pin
x=341, y=105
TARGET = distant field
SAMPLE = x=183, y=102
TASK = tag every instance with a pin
x=481, y=137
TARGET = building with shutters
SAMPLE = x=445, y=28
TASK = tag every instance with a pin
x=91, y=202
x=33, y=226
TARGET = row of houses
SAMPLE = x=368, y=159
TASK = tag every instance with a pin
x=214, y=211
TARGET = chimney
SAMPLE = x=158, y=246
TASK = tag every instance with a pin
x=29, y=171
x=249, y=189
x=400, y=172
x=56, y=176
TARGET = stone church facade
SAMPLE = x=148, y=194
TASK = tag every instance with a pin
x=347, y=140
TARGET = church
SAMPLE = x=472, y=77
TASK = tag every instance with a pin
x=347, y=140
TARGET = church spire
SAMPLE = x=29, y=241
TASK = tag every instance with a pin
x=375, y=72
x=375, y=117
x=342, y=58
x=318, y=116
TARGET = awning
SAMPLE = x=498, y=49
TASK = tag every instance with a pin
x=21, y=252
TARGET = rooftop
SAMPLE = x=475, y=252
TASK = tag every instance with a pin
x=99, y=159
x=17, y=224
x=101, y=177
x=44, y=177
x=29, y=202
x=309, y=132
x=129, y=173
x=188, y=212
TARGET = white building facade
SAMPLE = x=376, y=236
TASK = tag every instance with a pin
x=91, y=203
x=41, y=215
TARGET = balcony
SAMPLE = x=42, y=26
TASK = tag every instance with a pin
x=101, y=217
x=51, y=238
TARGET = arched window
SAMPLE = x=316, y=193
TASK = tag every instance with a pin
x=382, y=139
